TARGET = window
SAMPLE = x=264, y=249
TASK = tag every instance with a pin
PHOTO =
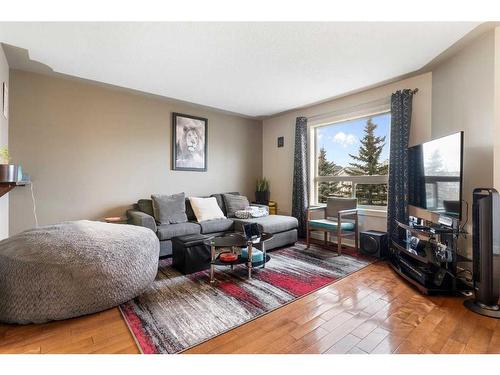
x=352, y=160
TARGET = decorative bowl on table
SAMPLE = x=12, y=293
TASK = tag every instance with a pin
x=228, y=257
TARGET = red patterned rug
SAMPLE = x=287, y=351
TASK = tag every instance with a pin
x=178, y=312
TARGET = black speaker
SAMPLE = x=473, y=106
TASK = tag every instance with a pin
x=485, y=252
x=373, y=243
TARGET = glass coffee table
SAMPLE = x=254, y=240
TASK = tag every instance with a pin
x=234, y=242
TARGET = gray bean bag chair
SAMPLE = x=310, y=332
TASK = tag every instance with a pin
x=74, y=268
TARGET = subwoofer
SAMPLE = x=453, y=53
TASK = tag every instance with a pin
x=485, y=252
x=373, y=243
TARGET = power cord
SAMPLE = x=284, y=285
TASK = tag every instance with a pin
x=462, y=229
x=34, y=205
x=466, y=213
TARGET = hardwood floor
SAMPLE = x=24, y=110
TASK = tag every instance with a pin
x=104, y=332
x=371, y=311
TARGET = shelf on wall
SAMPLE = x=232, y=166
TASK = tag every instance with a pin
x=5, y=187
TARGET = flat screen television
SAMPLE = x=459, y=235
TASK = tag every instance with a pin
x=435, y=175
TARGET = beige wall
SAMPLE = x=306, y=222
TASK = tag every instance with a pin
x=463, y=98
x=278, y=162
x=496, y=99
x=92, y=151
x=461, y=93
x=4, y=141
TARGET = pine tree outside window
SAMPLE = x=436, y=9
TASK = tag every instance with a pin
x=352, y=160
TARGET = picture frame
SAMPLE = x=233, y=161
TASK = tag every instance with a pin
x=189, y=142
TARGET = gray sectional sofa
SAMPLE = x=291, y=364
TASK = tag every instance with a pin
x=283, y=228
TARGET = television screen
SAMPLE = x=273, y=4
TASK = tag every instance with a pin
x=435, y=175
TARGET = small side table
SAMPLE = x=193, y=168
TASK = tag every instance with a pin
x=115, y=220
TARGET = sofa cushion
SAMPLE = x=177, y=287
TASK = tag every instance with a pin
x=220, y=200
x=206, y=209
x=331, y=225
x=235, y=203
x=146, y=206
x=269, y=224
x=189, y=211
x=169, y=209
x=167, y=231
x=217, y=225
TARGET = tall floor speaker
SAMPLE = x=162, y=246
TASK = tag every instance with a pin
x=485, y=252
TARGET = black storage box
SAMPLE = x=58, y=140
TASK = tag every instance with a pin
x=190, y=254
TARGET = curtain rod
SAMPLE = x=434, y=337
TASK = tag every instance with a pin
x=385, y=100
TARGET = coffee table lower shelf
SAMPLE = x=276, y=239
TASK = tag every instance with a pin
x=241, y=260
x=234, y=242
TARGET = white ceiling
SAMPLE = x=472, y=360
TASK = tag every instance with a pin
x=254, y=69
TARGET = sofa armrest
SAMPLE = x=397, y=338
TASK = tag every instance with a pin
x=136, y=217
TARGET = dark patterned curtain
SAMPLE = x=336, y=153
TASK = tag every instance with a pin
x=397, y=200
x=300, y=197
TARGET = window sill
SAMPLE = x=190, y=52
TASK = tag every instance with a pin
x=365, y=211
x=374, y=212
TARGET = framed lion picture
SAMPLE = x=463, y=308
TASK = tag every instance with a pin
x=189, y=142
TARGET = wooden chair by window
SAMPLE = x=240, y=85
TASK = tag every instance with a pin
x=340, y=218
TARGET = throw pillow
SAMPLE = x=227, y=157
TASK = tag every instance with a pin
x=206, y=208
x=243, y=214
x=252, y=211
x=235, y=203
x=257, y=211
x=169, y=209
x=146, y=206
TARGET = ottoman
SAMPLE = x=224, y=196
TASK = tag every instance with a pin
x=190, y=254
x=74, y=268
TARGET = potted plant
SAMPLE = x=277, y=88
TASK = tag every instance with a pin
x=262, y=192
x=8, y=172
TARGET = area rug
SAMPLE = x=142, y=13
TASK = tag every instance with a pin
x=178, y=312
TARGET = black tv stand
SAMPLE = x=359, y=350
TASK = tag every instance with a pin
x=427, y=256
x=421, y=227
